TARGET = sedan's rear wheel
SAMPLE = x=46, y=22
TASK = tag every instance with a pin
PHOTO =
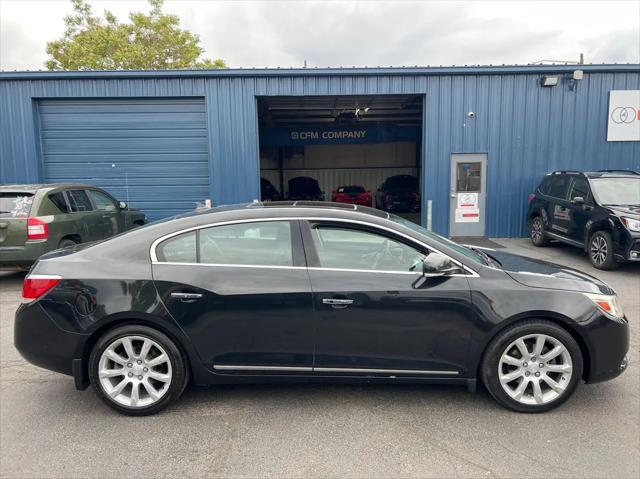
x=137, y=370
x=533, y=366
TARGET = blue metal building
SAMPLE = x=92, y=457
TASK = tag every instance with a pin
x=166, y=139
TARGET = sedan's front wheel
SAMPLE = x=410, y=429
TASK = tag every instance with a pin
x=533, y=366
x=137, y=370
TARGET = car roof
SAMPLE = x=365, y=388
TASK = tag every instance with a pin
x=600, y=174
x=612, y=174
x=32, y=188
x=288, y=209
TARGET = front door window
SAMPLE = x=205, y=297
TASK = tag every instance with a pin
x=347, y=248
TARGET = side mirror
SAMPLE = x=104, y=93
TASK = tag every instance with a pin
x=122, y=205
x=578, y=200
x=437, y=264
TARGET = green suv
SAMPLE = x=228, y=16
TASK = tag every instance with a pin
x=35, y=219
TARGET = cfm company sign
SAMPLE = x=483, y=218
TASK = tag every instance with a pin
x=624, y=115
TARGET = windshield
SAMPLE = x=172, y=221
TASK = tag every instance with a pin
x=469, y=253
x=15, y=205
x=617, y=191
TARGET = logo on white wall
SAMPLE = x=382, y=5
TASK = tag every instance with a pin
x=624, y=115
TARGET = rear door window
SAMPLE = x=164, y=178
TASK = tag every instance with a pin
x=15, y=205
x=265, y=243
x=79, y=201
x=179, y=249
x=559, y=186
x=544, y=186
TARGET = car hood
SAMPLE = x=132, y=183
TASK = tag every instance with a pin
x=632, y=211
x=542, y=274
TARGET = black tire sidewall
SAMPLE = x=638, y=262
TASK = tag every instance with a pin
x=178, y=368
x=489, y=368
x=66, y=243
x=610, y=262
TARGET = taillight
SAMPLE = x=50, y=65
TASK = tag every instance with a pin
x=532, y=196
x=36, y=228
x=36, y=285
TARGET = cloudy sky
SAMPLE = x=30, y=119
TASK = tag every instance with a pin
x=335, y=33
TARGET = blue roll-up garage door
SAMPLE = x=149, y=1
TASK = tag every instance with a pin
x=152, y=153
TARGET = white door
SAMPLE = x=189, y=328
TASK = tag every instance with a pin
x=468, y=194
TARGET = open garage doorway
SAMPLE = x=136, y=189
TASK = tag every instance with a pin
x=351, y=149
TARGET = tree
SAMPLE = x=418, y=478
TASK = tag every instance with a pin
x=147, y=42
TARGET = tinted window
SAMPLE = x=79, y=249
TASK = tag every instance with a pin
x=262, y=243
x=60, y=202
x=579, y=188
x=179, y=249
x=356, y=249
x=558, y=186
x=79, y=201
x=102, y=201
x=544, y=186
x=15, y=205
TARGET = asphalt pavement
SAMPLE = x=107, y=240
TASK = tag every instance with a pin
x=48, y=429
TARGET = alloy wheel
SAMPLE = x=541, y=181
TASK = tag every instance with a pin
x=599, y=250
x=536, y=230
x=135, y=371
x=535, y=369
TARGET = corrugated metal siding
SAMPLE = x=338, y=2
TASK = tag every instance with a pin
x=152, y=153
x=525, y=129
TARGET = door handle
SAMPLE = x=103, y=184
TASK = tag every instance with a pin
x=337, y=303
x=186, y=297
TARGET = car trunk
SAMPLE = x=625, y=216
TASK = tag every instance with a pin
x=14, y=211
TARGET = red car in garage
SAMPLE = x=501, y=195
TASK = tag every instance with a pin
x=356, y=195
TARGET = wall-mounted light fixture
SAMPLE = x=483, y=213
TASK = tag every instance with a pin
x=548, y=81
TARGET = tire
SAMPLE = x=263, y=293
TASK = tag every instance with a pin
x=503, y=357
x=66, y=243
x=536, y=232
x=601, y=251
x=160, y=376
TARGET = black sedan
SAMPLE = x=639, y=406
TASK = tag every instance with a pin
x=300, y=292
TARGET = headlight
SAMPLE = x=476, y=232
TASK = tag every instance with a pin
x=631, y=225
x=607, y=303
